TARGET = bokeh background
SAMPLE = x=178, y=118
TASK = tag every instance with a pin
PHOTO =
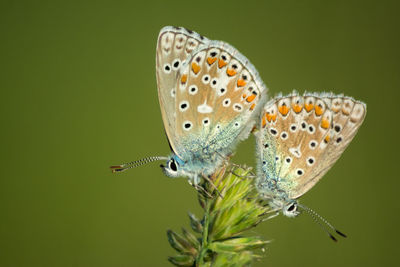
x=78, y=93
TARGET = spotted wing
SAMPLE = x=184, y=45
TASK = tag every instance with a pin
x=219, y=94
x=303, y=136
x=174, y=46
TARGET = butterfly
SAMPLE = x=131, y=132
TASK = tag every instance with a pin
x=299, y=140
x=210, y=96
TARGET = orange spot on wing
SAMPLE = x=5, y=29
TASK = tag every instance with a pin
x=252, y=106
x=221, y=63
x=297, y=108
x=263, y=122
x=270, y=117
x=284, y=110
x=241, y=83
x=230, y=72
x=309, y=107
x=195, y=68
x=325, y=123
x=211, y=60
x=318, y=110
x=244, y=95
x=250, y=98
x=327, y=138
x=184, y=78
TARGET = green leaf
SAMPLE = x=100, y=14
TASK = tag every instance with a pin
x=191, y=238
x=223, y=225
x=195, y=224
x=237, y=244
x=233, y=259
x=180, y=244
x=182, y=260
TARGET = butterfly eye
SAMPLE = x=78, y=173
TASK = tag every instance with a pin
x=172, y=166
x=290, y=210
x=292, y=207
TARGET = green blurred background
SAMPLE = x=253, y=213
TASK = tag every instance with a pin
x=78, y=93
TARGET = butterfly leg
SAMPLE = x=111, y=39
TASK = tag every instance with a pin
x=225, y=159
x=201, y=190
x=213, y=185
x=275, y=211
x=271, y=216
x=234, y=165
x=242, y=176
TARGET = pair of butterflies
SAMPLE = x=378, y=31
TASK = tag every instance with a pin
x=211, y=98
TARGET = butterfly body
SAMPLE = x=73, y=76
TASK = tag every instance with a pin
x=300, y=138
x=210, y=96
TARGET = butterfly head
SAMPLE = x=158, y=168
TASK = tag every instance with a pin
x=174, y=167
x=291, y=209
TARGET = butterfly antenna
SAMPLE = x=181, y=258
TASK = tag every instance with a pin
x=318, y=218
x=134, y=164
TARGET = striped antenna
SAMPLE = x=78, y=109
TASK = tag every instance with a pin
x=318, y=219
x=134, y=164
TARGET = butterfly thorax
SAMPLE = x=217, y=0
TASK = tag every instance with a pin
x=277, y=198
x=193, y=166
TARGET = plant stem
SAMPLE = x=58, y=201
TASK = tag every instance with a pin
x=222, y=238
x=204, y=243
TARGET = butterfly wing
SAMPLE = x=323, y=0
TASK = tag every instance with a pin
x=347, y=116
x=219, y=93
x=174, y=46
x=301, y=137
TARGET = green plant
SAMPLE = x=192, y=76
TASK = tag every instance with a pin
x=231, y=207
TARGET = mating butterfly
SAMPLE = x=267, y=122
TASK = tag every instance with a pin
x=210, y=97
x=300, y=138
